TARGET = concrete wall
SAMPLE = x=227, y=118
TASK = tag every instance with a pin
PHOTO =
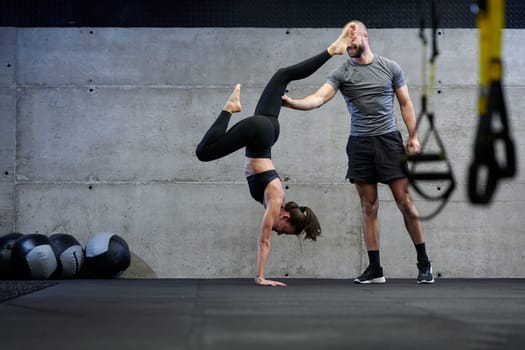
x=99, y=127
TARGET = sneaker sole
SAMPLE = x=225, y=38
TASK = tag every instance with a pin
x=374, y=280
x=425, y=282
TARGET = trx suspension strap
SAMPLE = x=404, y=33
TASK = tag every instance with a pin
x=434, y=159
x=485, y=169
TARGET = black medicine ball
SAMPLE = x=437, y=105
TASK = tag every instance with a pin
x=33, y=257
x=107, y=255
x=69, y=254
x=6, y=247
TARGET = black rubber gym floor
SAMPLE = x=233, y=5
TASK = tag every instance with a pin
x=236, y=314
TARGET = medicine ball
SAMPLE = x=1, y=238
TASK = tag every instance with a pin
x=107, y=255
x=69, y=253
x=6, y=247
x=33, y=257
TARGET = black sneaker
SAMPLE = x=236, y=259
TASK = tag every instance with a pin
x=371, y=275
x=425, y=273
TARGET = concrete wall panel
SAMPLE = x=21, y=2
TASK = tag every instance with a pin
x=8, y=56
x=157, y=56
x=7, y=128
x=7, y=133
x=7, y=159
x=7, y=209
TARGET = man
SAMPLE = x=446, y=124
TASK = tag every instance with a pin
x=375, y=149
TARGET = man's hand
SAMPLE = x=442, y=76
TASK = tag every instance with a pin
x=287, y=101
x=413, y=146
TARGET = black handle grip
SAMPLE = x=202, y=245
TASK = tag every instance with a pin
x=484, y=150
x=425, y=157
x=482, y=193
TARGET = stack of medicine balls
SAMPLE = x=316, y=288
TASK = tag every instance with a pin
x=60, y=256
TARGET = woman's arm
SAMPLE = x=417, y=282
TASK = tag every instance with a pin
x=271, y=215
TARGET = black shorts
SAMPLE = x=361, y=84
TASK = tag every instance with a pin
x=374, y=159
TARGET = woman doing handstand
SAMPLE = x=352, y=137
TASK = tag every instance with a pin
x=257, y=134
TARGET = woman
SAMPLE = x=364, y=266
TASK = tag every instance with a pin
x=257, y=134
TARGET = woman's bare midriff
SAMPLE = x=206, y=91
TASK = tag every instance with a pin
x=257, y=165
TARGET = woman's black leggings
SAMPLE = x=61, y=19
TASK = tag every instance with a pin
x=259, y=132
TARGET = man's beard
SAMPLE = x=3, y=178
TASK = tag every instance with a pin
x=358, y=52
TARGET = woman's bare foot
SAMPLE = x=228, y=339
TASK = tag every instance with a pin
x=339, y=46
x=233, y=105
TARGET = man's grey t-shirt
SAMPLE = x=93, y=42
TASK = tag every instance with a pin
x=368, y=90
